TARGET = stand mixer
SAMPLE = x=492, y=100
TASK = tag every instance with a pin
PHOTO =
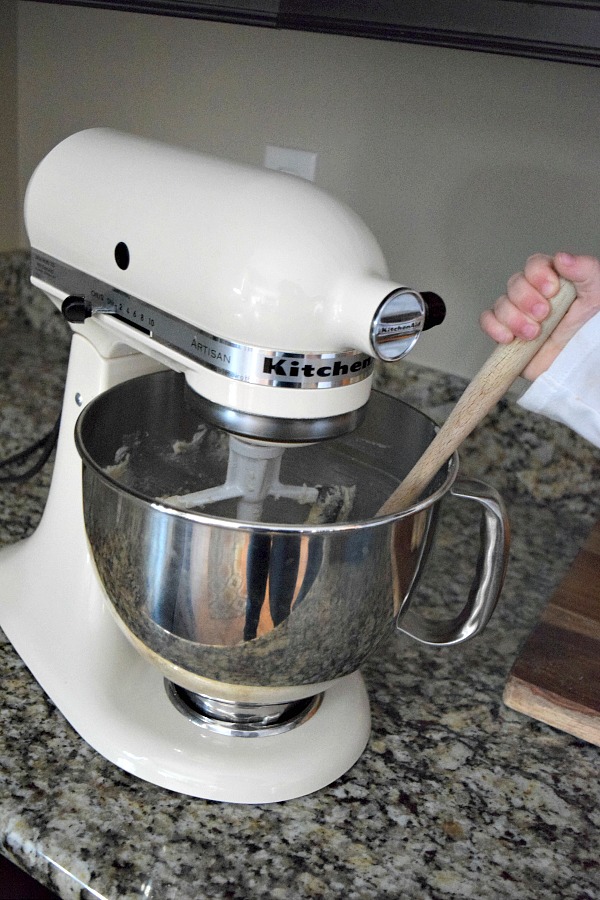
x=235, y=314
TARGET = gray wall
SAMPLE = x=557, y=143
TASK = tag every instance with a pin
x=461, y=163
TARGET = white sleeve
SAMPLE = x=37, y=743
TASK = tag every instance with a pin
x=569, y=391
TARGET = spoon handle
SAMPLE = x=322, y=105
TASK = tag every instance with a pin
x=492, y=381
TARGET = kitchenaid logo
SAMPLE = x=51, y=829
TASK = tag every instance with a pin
x=275, y=368
x=282, y=368
x=401, y=328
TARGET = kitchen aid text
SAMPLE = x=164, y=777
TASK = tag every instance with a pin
x=294, y=369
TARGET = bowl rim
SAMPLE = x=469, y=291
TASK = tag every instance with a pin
x=203, y=518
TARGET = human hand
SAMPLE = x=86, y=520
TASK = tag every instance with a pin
x=518, y=313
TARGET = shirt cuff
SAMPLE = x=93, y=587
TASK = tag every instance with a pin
x=569, y=391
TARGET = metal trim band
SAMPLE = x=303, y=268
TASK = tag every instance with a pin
x=242, y=362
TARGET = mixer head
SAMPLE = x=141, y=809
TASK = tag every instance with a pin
x=270, y=296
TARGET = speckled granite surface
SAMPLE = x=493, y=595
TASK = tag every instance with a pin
x=455, y=795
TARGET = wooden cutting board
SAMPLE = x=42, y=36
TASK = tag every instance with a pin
x=556, y=678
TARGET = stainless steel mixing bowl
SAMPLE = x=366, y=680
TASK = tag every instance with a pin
x=268, y=610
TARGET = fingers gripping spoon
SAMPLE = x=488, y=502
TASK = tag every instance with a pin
x=487, y=387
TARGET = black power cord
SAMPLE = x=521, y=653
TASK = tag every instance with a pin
x=42, y=448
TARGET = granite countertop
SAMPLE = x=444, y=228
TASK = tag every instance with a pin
x=455, y=795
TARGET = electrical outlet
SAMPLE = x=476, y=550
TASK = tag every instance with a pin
x=294, y=162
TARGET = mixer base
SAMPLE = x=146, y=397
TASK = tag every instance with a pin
x=117, y=702
x=54, y=613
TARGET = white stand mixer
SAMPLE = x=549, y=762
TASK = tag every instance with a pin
x=250, y=283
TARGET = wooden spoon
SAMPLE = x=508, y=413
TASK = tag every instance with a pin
x=487, y=387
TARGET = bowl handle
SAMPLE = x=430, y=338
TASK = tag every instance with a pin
x=489, y=574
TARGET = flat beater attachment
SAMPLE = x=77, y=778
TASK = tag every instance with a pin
x=252, y=476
